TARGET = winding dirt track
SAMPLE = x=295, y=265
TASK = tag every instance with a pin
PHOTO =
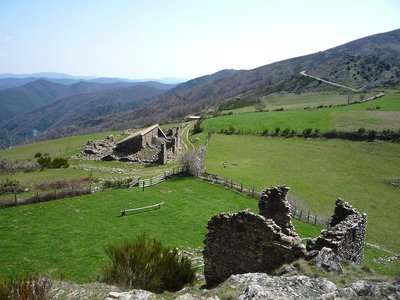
x=329, y=82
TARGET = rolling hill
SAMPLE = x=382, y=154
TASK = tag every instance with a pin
x=366, y=63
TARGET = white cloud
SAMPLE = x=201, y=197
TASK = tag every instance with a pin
x=7, y=39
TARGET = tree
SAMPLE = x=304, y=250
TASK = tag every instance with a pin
x=197, y=127
x=349, y=97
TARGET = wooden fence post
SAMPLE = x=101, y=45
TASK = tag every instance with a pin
x=143, y=186
x=165, y=175
x=315, y=220
x=241, y=187
x=55, y=193
x=151, y=181
x=253, y=192
x=15, y=198
x=301, y=212
x=308, y=217
x=231, y=183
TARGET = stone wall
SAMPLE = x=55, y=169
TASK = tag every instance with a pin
x=245, y=242
x=274, y=205
x=346, y=236
x=130, y=145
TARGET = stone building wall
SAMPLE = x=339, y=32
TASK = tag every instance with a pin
x=245, y=242
x=346, y=236
x=274, y=205
x=131, y=144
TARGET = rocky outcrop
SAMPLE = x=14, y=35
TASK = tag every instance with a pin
x=246, y=242
x=346, y=236
x=274, y=205
x=263, y=286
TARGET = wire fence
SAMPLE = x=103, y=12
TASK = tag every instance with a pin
x=38, y=197
x=168, y=174
x=297, y=211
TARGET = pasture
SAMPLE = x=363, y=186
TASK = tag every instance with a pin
x=69, y=235
x=382, y=113
x=318, y=172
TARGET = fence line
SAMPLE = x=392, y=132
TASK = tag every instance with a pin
x=160, y=178
x=297, y=213
x=45, y=197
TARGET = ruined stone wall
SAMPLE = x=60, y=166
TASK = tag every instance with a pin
x=130, y=145
x=274, y=205
x=245, y=242
x=162, y=155
x=149, y=137
x=346, y=236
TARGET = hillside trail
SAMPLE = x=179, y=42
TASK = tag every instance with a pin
x=329, y=82
x=185, y=137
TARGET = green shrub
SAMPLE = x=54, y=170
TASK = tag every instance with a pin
x=29, y=287
x=277, y=129
x=147, y=264
x=197, y=127
x=44, y=161
x=59, y=162
x=117, y=184
x=8, y=186
x=285, y=132
x=307, y=131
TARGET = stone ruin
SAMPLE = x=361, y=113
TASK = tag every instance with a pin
x=148, y=146
x=245, y=242
x=346, y=235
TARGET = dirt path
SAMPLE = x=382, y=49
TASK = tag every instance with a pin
x=185, y=137
x=329, y=82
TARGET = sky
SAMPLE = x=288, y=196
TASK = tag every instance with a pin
x=177, y=38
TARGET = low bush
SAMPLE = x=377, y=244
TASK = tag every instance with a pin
x=9, y=186
x=147, y=264
x=197, y=127
x=29, y=287
x=117, y=184
x=59, y=162
x=46, y=162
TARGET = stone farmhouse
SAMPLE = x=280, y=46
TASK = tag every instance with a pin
x=148, y=146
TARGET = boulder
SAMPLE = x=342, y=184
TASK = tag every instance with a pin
x=327, y=259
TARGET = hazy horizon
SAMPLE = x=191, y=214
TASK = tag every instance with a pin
x=177, y=39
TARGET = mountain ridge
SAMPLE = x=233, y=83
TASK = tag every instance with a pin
x=376, y=58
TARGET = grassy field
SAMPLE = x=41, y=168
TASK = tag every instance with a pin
x=319, y=171
x=62, y=147
x=345, y=118
x=69, y=235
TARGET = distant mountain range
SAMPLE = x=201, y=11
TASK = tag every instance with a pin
x=10, y=80
x=369, y=63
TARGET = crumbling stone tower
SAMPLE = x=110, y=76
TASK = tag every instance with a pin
x=273, y=205
x=346, y=235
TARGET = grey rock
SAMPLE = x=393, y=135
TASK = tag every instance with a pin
x=263, y=286
x=310, y=255
x=327, y=259
x=132, y=295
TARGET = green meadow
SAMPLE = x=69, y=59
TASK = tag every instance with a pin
x=318, y=172
x=68, y=236
x=346, y=118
